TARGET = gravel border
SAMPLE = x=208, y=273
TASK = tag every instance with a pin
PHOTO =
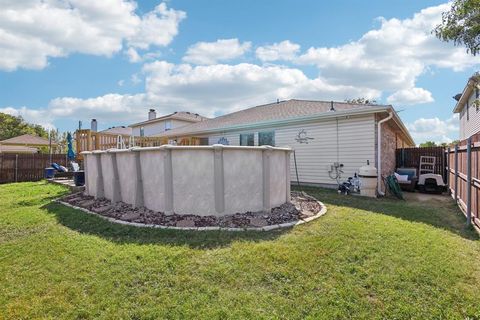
x=322, y=211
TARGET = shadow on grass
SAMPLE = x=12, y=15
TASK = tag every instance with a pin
x=442, y=214
x=93, y=225
x=36, y=201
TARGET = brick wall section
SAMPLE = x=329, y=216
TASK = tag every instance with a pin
x=392, y=139
x=389, y=145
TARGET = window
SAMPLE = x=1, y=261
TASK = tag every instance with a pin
x=266, y=138
x=247, y=139
x=142, y=131
x=168, y=125
x=203, y=141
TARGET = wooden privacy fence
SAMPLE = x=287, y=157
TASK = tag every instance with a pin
x=27, y=167
x=88, y=140
x=463, y=168
x=410, y=158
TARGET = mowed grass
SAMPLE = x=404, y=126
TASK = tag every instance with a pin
x=365, y=259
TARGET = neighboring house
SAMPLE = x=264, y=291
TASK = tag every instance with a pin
x=321, y=133
x=122, y=130
x=25, y=144
x=468, y=107
x=154, y=125
x=17, y=149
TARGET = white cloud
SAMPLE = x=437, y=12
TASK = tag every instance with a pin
x=157, y=27
x=434, y=129
x=410, y=96
x=133, y=55
x=213, y=52
x=391, y=57
x=284, y=50
x=36, y=116
x=207, y=90
x=31, y=31
x=224, y=88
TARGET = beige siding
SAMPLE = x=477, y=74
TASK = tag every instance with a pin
x=472, y=125
x=353, y=147
x=155, y=128
x=233, y=139
x=356, y=145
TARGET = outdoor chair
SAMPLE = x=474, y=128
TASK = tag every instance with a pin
x=407, y=178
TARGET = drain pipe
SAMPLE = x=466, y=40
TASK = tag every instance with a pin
x=379, y=152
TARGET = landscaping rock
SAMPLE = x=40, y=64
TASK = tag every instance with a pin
x=302, y=208
x=130, y=216
x=101, y=209
x=86, y=203
x=186, y=223
x=258, y=222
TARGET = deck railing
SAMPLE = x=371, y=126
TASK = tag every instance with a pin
x=88, y=140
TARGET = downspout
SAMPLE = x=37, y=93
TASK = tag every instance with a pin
x=379, y=152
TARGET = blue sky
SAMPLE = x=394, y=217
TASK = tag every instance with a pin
x=65, y=61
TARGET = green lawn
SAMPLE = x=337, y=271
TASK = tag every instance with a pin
x=364, y=259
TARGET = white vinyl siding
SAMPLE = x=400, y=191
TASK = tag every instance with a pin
x=232, y=138
x=472, y=125
x=356, y=145
x=151, y=129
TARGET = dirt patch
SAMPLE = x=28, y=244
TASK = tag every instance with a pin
x=301, y=207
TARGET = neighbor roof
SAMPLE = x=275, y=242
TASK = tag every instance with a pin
x=118, y=130
x=178, y=115
x=473, y=81
x=17, y=149
x=27, y=139
x=281, y=110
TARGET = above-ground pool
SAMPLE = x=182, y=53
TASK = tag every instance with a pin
x=199, y=180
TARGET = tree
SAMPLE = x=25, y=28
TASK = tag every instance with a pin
x=361, y=101
x=428, y=144
x=11, y=126
x=461, y=25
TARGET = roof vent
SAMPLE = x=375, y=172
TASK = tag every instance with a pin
x=332, y=108
x=278, y=101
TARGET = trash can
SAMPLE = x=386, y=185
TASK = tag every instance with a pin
x=49, y=173
x=79, y=178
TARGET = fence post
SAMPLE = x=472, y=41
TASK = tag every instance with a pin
x=16, y=168
x=456, y=173
x=447, y=178
x=469, y=180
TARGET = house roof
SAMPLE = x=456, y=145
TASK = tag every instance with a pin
x=276, y=113
x=27, y=139
x=17, y=149
x=178, y=115
x=118, y=130
x=472, y=82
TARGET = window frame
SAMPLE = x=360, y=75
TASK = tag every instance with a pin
x=248, y=137
x=266, y=132
x=169, y=127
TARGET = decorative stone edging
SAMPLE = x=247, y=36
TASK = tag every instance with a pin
x=322, y=211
